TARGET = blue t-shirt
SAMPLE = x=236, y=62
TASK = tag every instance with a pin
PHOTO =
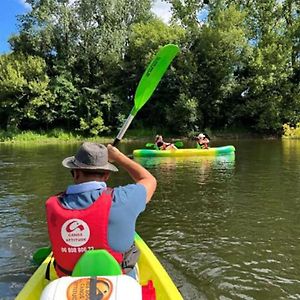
x=128, y=202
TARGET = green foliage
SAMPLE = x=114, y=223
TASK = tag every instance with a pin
x=94, y=127
x=218, y=52
x=76, y=65
x=292, y=132
x=24, y=94
x=83, y=43
x=264, y=102
x=55, y=135
x=61, y=134
x=144, y=40
x=147, y=37
x=186, y=12
x=183, y=114
x=67, y=98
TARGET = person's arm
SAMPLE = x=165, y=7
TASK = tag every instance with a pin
x=137, y=172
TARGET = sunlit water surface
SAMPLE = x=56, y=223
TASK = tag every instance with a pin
x=224, y=227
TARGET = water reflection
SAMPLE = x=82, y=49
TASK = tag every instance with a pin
x=185, y=208
x=224, y=227
x=291, y=149
x=201, y=162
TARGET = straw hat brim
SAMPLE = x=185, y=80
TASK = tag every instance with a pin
x=69, y=163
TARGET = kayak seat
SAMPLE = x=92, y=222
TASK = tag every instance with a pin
x=96, y=263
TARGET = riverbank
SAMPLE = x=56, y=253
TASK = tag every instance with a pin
x=63, y=136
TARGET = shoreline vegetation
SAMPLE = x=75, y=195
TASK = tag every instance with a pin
x=291, y=132
x=81, y=72
x=64, y=136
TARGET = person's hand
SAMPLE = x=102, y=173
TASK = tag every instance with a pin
x=113, y=153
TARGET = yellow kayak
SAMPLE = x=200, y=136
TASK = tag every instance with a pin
x=149, y=269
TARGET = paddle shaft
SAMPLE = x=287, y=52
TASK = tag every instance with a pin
x=123, y=130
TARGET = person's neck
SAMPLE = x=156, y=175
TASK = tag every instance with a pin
x=85, y=180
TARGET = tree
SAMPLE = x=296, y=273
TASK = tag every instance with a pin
x=246, y=54
x=271, y=98
x=24, y=94
x=83, y=43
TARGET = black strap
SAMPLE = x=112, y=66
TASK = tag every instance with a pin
x=47, y=274
x=56, y=265
x=65, y=271
x=130, y=259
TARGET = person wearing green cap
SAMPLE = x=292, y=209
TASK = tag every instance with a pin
x=89, y=215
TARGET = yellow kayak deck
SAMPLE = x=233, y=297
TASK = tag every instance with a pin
x=149, y=269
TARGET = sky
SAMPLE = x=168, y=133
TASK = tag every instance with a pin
x=9, y=9
x=8, y=20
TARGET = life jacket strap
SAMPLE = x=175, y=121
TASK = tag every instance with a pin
x=63, y=270
x=130, y=259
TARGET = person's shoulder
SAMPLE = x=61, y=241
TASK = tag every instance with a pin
x=134, y=189
x=131, y=195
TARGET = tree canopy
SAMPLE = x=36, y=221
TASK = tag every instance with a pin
x=76, y=65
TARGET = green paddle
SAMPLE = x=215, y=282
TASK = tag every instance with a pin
x=149, y=82
x=178, y=144
x=40, y=254
x=145, y=89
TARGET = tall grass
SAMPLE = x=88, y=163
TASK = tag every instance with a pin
x=55, y=135
x=63, y=136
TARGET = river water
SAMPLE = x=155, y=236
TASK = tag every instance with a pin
x=224, y=227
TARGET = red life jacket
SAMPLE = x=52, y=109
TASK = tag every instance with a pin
x=74, y=231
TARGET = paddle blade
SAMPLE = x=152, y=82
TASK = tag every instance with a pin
x=153, y=75
x=40, y=254
x=148, y=83
x=178, y=144
x=150, y=145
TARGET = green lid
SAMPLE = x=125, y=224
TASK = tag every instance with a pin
x=97, y=263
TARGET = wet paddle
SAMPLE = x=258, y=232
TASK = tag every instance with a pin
x=148, y=83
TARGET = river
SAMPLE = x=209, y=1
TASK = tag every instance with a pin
x=224, y=227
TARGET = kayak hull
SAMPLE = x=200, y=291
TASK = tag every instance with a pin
x=149, y=269
x=184, y=152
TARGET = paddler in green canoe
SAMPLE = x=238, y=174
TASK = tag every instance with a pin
x=162, y=145
x=89, y=215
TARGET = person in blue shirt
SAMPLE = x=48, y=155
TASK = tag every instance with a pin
x=89, y=206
